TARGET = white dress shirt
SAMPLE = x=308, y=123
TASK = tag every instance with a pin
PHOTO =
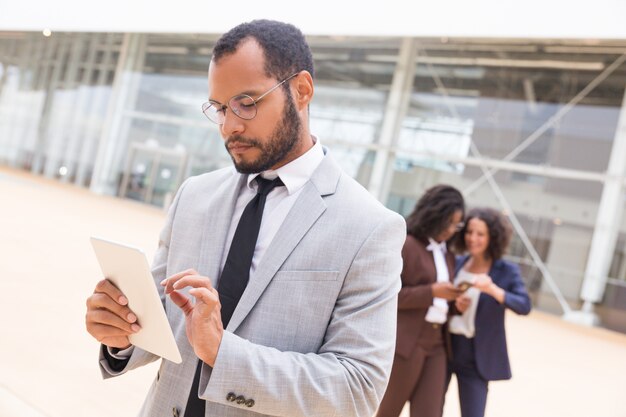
x=279, y=202
x=438, y=312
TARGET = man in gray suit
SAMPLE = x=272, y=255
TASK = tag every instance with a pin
x=312, y=327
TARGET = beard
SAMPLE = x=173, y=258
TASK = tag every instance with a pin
x=282, y=141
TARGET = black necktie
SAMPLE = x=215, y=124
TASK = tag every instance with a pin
x=236, y=272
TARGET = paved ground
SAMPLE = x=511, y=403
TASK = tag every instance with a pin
x=48, y=362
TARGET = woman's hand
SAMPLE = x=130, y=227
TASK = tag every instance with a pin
x=445, y=290
x=462, y=303
x=485, y=284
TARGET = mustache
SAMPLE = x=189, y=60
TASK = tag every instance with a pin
x=240, y=140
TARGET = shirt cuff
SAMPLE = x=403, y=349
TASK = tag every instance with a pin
x=120, y=354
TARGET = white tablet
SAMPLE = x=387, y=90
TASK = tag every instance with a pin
x=127, y=267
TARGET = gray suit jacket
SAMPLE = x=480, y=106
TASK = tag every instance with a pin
x=314, y=332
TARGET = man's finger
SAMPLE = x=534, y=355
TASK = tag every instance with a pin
x=102, y=316
x=208, y=297
x=105, y=286
x=195, y=281
x=102, y=332
x=103, y=301
x=182, y=301
x=169, y=282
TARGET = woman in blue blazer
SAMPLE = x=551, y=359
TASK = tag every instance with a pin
x=478, y=338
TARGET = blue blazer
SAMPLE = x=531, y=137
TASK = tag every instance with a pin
x=491, y=356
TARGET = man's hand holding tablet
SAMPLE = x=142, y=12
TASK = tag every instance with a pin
x=126, y=308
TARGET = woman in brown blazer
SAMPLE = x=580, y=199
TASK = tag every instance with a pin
x=419, y=369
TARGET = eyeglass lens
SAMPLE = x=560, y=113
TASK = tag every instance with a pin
x=242, y=105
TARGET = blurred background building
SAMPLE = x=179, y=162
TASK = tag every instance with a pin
x=524, y=114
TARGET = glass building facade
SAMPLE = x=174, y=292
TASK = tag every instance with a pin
x=536, y=128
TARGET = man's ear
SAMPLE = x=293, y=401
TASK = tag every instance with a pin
x=303, y=86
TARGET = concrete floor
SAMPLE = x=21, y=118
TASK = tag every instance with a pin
x=48, y=362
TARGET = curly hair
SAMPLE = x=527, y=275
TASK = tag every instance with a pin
x=433, y=211
x=499, y=232
x=285, y=49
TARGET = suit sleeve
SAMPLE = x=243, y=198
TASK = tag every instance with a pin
x=349, y=373
x=111, y=366
x=516, y=297
x=413, y=296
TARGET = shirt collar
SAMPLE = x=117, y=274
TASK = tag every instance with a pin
x=433, y=244
x=297, y=172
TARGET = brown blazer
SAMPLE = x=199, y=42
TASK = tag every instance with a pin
x=418, y=273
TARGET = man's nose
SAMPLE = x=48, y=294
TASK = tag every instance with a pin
x=233, y=125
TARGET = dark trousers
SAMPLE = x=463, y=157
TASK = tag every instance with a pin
x=472, y=387
x=419, y=379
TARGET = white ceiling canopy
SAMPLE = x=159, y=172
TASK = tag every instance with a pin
x=559, y=19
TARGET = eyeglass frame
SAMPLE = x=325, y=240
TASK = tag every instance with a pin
x=223, y=107
x=459, y=226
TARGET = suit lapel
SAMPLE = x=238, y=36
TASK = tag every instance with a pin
x=459, y=264
x=494, y=272
x=219, y=213
x=450, y=264
x=307, y=209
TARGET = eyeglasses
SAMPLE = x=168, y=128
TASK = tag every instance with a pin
x=242, y=105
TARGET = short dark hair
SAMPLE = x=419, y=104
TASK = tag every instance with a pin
x=433, y=211
x=285, y=49
x=499, y=231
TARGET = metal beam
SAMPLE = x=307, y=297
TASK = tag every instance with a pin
x=551, y=121
x=112, y=145
x=609, y=218
x=397, y=103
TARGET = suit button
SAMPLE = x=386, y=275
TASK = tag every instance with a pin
x=175, y=412
x=231, y=397
x=435, y=326
x=250, y=403
x=241, y=399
